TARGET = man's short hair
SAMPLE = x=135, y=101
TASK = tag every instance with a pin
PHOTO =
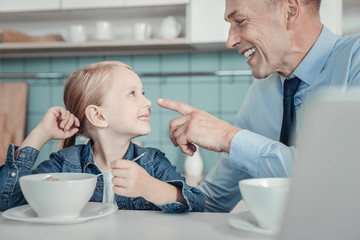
x=315, y=4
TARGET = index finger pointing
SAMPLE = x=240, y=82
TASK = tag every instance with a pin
x=179, y=107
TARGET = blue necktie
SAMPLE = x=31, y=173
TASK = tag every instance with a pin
x=290, y=88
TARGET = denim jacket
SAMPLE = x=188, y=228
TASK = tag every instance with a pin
x=79, y=158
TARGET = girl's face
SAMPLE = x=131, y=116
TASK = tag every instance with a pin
x=125, y=107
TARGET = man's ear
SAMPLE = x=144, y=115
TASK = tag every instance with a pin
x=293, y=11
x=95, y=117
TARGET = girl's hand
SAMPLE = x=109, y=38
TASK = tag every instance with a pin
x=130, y=179
x=58, y=123
x=51, y=126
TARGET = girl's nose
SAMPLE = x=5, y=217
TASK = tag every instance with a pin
x=147, y=103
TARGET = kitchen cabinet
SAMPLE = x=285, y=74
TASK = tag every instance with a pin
x=86, y=4
x=205, y=21
x=28, y=5
x=201, y=30
x=131, y=3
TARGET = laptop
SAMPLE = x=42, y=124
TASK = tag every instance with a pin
x=324, y=199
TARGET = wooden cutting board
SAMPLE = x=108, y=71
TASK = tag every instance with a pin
x=13, y=108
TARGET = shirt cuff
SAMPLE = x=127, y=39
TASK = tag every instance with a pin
x=177, y=207
x=25, y=158
x=246, y=150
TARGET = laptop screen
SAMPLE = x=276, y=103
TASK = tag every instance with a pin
x=324, y=199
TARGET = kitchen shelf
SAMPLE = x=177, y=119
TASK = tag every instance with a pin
x=98, y=48
x=194, y=37
x=52, y=75
x=91, y=14
x=57, y=22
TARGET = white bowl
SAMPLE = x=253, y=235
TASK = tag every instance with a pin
x=58, y=199
x=266, y=199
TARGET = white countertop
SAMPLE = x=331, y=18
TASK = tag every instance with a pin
x=146, y=225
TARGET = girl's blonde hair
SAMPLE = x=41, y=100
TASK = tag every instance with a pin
x=86, y=87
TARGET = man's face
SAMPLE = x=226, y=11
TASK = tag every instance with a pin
x=258, y=31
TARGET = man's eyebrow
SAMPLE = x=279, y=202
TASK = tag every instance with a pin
x=230, y=15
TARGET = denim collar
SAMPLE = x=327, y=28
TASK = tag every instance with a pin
x=88, y=155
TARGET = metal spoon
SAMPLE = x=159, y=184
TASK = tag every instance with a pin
x=141, y=155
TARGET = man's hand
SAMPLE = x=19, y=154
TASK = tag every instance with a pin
x=197, y=127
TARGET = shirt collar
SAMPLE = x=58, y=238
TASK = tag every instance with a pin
x=310, y=67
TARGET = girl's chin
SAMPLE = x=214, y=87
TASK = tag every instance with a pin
x=143, y=133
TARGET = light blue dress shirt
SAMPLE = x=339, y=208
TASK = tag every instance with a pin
x=255, y=152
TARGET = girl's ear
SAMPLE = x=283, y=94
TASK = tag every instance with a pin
x=95, y=117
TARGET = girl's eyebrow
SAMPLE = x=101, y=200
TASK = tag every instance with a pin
x=134, y=88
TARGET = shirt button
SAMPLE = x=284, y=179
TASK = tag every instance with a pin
x=22, y=155
x=147, y=203
x=13, y=174
x=178, y=207
x=98, y=184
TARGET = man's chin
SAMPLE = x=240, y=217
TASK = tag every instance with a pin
x=258, y=74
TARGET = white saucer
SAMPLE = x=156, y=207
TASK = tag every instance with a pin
x=92, y=210
x=246, y=221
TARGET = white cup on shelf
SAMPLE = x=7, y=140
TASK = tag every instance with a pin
x=170, y=28
x=77, y=33
x=141, y=31
x=103, y=30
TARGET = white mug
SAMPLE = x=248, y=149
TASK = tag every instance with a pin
x=103, y=30
x=141, y=31
x=77, y=33
x=266, y=199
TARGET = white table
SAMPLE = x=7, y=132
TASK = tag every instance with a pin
x=123, y=225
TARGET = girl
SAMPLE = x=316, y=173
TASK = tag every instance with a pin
x=105, y=102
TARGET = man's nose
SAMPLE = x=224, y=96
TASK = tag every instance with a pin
x=233, y=39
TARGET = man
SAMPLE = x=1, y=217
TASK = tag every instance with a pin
x=285, y=43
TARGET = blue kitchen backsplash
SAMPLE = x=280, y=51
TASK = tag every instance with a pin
x=221, y=96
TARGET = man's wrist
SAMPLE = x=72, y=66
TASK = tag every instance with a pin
x=229, y=137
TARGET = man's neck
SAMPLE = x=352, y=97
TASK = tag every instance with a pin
x=303, y=39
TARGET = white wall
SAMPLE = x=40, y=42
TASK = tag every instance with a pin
x=331, y=13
